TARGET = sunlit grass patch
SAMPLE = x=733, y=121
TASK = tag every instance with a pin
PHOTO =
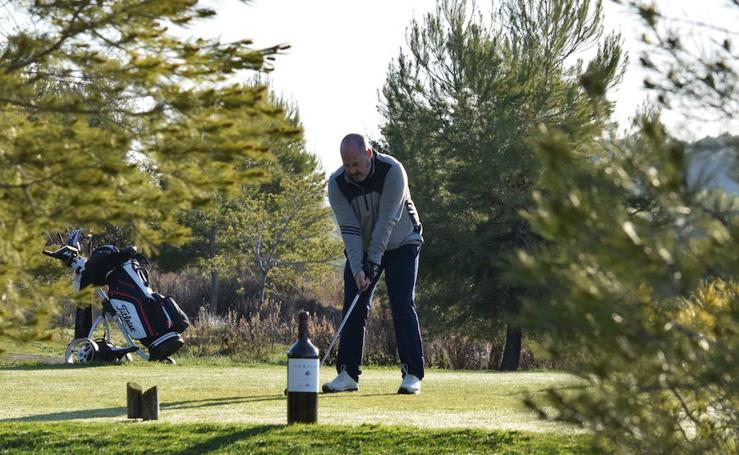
x=82, y=437
x=204, y=391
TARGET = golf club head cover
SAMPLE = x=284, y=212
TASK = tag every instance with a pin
x=78, y=265
x=67, y=254
x=74, y=238
x=371, y=270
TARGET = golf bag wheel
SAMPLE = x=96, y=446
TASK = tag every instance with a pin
x=81, y=350
x=169, y=360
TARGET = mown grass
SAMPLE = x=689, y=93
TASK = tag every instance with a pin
x=194, y=392
x=52, y=344
x=48, y=438
x=218, y=405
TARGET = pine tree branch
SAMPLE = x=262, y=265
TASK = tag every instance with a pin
x=685, y=407
x=64, y=36
x=25, y=185
x=72, y=110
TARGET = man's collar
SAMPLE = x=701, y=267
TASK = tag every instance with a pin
x=372, y=166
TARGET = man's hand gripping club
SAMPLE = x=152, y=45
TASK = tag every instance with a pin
x=365, y=277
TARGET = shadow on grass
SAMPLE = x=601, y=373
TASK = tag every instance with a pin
x=546, y=389
x=50, y=366
x=355, y=395
x=220, y=401
x=175, y=405
x=122, y=412
x=71, y=415
x=224, y=401
x=221, y=441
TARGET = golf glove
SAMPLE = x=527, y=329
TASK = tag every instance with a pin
x=371, y=270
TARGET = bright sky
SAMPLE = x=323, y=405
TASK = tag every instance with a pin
x=341, y=50
x=340, y=53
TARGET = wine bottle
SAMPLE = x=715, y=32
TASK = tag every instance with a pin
x=303, y=366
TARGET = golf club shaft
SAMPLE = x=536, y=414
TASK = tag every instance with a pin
x=341, y=326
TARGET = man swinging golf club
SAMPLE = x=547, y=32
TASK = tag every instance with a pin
x=382, y=232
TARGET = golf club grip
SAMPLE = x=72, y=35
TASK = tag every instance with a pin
x=341, y=326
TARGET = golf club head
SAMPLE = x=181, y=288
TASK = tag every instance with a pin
x=74, y=238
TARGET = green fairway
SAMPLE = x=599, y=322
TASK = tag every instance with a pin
x=225, y=407
x=211, y=393
x=44, y=438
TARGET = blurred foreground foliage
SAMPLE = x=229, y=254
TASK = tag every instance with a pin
x=638, y=267
x=639, y=270
x=109, y=117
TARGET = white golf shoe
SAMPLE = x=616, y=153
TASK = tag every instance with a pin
x=411, y=385
x=341, y=383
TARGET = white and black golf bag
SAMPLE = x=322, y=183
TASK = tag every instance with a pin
x=154, y=320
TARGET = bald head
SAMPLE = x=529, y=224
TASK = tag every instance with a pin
x=353, y=141
x=356, y=156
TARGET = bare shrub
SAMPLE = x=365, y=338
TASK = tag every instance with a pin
x=322, y=329
x=247, y=331
x=458, y=352
x=380, y=347
x=191, y=290
x=252, y=339
x=206, y=335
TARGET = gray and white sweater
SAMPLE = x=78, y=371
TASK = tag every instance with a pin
x=377, y=214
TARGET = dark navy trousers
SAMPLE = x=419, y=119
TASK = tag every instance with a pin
x=400, y=267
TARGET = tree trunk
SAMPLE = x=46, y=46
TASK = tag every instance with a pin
x=263, y=290
x=512, y=350
x=213, y=290
x=213, y=272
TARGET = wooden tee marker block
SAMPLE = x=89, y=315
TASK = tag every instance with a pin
x=150, y=404
x=133, y=400
x=140, y=404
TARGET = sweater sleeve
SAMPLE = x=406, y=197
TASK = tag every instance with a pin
x=351, y=230
x=391, y=208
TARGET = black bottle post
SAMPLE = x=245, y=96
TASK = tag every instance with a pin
x=303, y=366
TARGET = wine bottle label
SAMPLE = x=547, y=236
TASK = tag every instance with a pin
x=302, y=375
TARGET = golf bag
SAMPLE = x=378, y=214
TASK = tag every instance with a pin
x=156, y=321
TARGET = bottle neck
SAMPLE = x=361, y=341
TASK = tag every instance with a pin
x=303, y=325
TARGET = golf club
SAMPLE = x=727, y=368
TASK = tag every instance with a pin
x=341, y=326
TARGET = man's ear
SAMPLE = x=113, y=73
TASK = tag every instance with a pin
x=370, y=152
